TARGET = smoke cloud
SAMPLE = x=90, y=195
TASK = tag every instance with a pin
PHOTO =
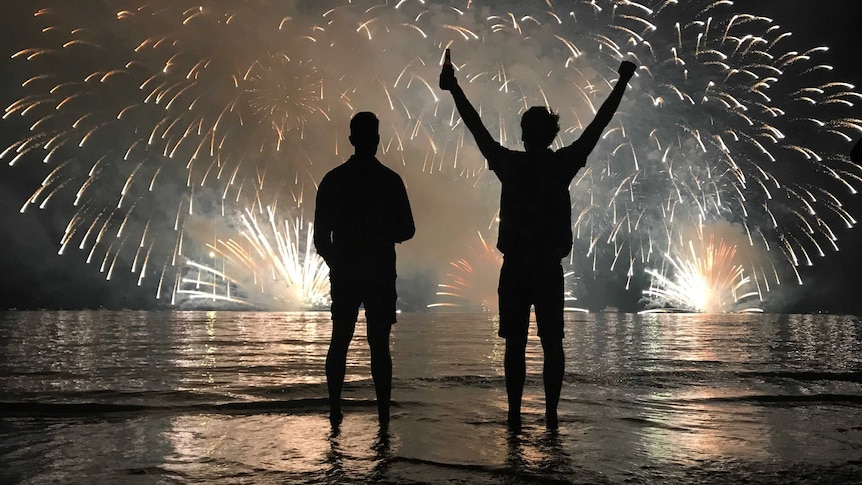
x=167, y=122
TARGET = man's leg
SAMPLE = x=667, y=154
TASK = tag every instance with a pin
x=381, y=367
x=515, y=366
x=515, y=297
x=553, y=371
x=336, y=363
x=549, y=318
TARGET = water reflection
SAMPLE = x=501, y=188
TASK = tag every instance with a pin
x=276, y=446
x=348, y=461
x=84, y=352
x=539, y=453
x=218, y=446
x=681, y=423
x=643, y=393
x=234, y=351
x=688, y=389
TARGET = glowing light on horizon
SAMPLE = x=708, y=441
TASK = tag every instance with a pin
x=271, y=264
x=706, y=279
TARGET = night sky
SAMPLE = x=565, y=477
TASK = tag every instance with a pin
x=35, y=276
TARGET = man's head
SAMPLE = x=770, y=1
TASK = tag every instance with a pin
x=539, y=127
x=364, y=133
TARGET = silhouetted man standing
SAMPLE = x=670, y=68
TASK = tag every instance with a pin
x=535, y=231
x=362, y=211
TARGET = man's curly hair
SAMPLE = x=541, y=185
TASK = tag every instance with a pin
x=539, y=127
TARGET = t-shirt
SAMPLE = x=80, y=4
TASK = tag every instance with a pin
x=361, y=211
x=535, y=207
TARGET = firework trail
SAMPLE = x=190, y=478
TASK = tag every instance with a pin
x=271, y=264
x=471, y=282
x=165, y=122
x=710, y=278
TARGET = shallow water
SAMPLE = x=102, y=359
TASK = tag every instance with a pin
x=233, y=397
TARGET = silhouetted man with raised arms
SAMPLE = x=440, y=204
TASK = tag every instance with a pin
x=535, y=231
x=362, y=210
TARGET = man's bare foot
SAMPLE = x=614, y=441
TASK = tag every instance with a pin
x=514, y=421
x=551, y=420
x=335, y=417
x=383, y=416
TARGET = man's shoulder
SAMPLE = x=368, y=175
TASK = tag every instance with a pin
x=329, y=178
x=340, y=171
x=506, y=157
x=383, y=171
x=504, y=153
x=574, y=149
x=350, y=169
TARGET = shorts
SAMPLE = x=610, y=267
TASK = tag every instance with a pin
x=525, y=282
x=376, y=292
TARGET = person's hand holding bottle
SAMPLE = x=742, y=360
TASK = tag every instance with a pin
x=448, y=81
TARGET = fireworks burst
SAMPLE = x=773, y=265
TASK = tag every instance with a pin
x=271, y=265
x=152, y=117
x=707, y=279
x=471, y=282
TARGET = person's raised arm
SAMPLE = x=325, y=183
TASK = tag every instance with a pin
x=448, y=82
x=590, y=137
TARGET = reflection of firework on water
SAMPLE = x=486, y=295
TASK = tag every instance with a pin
x=708, y=278
x=169, y=109
x=271, y=265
